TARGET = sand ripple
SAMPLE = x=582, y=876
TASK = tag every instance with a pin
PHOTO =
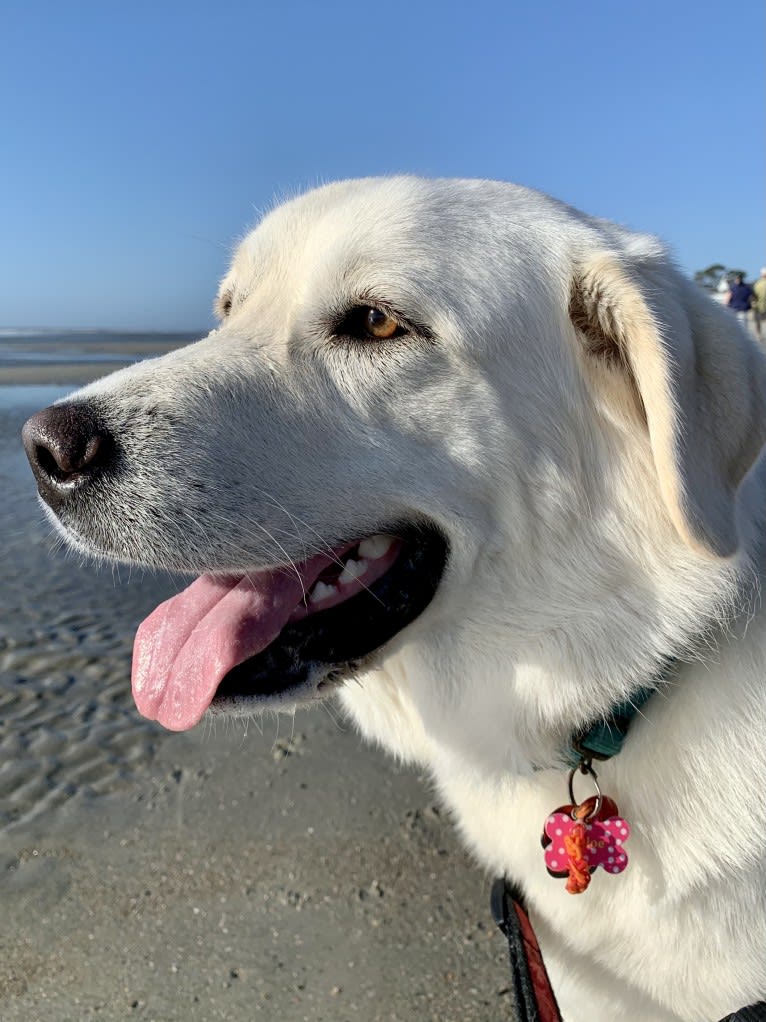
x=68, y=726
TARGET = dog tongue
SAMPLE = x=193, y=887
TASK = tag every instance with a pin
x=186, y=646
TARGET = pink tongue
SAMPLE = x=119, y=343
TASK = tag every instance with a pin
x=186, y=646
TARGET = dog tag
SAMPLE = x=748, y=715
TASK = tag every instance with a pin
x=579, y=838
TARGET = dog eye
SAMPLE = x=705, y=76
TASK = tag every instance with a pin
x=379, y=325
x=366, y=323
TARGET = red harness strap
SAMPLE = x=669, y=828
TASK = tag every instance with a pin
x=532, y=991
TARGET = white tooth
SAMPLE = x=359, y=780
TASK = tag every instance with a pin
x=375, y=546
x=320, y=591
x=352, y=570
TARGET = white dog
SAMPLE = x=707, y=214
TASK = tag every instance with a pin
x=498, y=462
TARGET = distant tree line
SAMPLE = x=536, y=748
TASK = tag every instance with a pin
x=711, y=277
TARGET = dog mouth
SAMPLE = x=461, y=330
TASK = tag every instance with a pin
x=285, y=635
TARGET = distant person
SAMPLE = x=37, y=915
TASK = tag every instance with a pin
x=759, y=304
x=722, y=291
x=740, y=298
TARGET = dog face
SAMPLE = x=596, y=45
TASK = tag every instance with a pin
x=451, y=424
x=342, y=427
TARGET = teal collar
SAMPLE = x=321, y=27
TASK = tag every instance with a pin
x=604, y=739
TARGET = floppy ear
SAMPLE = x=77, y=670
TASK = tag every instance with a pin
x=700, y=379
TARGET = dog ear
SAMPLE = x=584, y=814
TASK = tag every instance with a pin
x=701, y=382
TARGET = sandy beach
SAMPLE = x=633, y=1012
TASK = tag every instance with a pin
x=284, y=871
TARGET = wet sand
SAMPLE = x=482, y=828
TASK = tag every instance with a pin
x=67, y=375
x=290, y=873
x=69, y=359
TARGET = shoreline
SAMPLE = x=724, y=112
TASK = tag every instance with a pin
x=74, y=374
x=78, y=363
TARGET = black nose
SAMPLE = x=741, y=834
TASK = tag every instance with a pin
x=66, y=446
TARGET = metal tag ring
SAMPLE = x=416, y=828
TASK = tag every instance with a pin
x=585, y=768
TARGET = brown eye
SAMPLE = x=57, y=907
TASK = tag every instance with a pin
x=379, y=325
x=368, y=323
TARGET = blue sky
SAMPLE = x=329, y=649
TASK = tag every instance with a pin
x=139, y=140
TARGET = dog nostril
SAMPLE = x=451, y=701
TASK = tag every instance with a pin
x=62, y=462
x=64, y=465
x=48, y=463
x=65, y=445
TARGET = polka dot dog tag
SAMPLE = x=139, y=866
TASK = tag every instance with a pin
x=577, y=839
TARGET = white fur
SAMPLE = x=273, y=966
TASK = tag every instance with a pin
x=602, y=513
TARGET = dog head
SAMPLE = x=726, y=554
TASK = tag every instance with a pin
x=454, y=438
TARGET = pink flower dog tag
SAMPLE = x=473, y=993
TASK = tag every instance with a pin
x=575, y=847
